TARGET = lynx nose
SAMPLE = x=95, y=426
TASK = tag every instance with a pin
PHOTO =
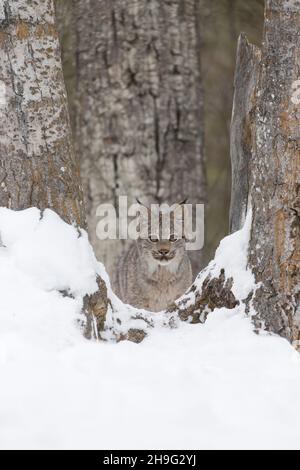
x=164, y=251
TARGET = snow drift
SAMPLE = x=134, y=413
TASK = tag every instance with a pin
x=216, y=385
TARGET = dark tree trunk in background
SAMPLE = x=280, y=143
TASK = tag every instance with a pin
x=37, y=162
x=271, y=131
x=139, y=128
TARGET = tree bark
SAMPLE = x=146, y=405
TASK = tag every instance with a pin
x=266, y=159
x=245, y=80
x=64, y=12
x=275, y=175
x=37, y=162
x=139, y=128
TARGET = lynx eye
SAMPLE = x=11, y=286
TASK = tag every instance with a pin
x=173, y=238
x=153, y=238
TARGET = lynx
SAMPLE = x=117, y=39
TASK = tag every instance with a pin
x=155, y=271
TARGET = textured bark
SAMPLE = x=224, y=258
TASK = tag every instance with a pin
x=37, y=162
x=275, y=174
x=66, y=28
x=215, y=292
x=95, y=309
x=266, y=159
x=246, y=76
x=139, y=129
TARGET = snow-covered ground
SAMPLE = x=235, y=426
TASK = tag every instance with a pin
x=208, y=386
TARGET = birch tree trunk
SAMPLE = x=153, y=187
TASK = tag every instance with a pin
x=269, y=146
x=64, y=12
x=37, y=161
x=139, y=129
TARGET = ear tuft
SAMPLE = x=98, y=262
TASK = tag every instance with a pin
x=141, y=204
x=184, y=201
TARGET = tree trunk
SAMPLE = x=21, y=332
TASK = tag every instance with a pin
x=139, y=125
x=275, y=176
x=246, y=76
x=65, y=24
x=268, y=144
x=37, y=161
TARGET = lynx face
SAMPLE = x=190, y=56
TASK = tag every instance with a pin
x=161, y=248
x=162, y=252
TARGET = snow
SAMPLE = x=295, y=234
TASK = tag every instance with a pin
x=231, y=256
x=211, y=386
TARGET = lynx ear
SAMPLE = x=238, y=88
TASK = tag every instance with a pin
x=180, y=204
x=184, y=201
x=140, y=202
